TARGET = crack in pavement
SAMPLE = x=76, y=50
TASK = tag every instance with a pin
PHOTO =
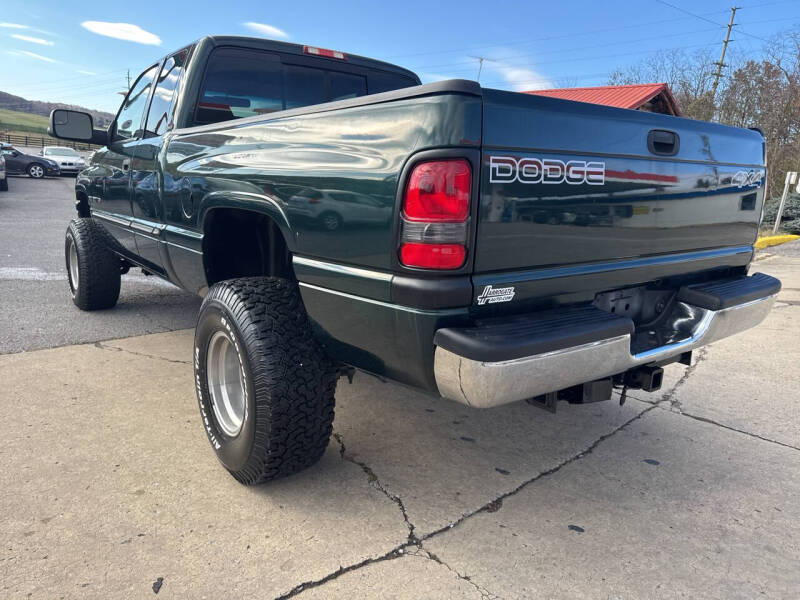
x=375, y=482
x=414, y=544
x=670, y=396
x=742, y=431
x=415, y=541
x=391, y=555
x=784, y=303
x=103, y=346
x=481, y=590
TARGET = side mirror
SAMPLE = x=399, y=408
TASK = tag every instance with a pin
x=76, y=126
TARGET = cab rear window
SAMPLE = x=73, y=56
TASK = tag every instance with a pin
x=243, y=83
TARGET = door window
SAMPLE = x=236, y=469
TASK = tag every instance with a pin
x=129, y=119
x=159, y=117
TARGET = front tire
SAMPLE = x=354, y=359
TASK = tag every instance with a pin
x=36, y=171
x=93, y=270
x=264, y=385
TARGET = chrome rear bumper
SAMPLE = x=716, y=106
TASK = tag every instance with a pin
x=483, y=384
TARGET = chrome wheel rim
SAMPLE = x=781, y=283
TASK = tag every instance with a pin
x=72, y=263
x=225, y=384
x=37, y=171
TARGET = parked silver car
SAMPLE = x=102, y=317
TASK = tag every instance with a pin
x=68, y=159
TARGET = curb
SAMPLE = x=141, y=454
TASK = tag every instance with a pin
x=774, y=240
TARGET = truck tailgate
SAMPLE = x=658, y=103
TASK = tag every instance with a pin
x=568, y=184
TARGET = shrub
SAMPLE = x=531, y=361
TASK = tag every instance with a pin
x=790, y=221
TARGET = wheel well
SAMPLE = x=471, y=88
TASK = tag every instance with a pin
x=82, y=203
x=243, y=243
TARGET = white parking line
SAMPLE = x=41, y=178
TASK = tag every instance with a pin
x=36, y=274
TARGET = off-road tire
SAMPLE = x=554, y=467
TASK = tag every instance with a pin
x=98, y=268
x=288, y=381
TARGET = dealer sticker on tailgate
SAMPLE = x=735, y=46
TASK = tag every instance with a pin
x=491, y=295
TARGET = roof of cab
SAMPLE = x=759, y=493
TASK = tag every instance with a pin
x=288, y=47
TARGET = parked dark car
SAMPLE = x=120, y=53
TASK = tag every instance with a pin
x=17, y=162
x=3, y=178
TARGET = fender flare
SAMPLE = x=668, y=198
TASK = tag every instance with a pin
x=248, y=201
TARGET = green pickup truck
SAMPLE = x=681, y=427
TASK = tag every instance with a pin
x=485, y=246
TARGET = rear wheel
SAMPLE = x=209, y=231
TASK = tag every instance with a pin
x=264, y=385
x=93, y=270
x=36, y=171
x=331, y=221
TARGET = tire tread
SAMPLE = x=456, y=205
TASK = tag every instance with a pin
x=294, y=382
x=98, y=267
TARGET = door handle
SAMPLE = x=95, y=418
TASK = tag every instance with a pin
x=663, y=142
x=126, y=164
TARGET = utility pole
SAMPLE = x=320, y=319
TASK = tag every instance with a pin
x=721, y=62
x=128, y=76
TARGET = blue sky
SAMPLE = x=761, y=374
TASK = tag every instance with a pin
x=78, y=52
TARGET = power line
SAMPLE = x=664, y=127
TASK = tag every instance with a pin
x=583, y=58
x=589, y=47
x=523, y=41
x=665, y=3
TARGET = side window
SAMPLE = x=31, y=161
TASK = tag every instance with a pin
x=239, y=83
x=304, y=86
x=129, y=120
x=159, y=117
x=346, y=85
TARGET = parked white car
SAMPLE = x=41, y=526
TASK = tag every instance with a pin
x=334, y=208
x=69, y=161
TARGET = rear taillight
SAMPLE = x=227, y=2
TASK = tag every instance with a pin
x=435, y=215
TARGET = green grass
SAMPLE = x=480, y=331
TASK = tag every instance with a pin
x=12, y=120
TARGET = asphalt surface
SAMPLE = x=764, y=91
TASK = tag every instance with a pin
x=34, y=292
x=109, y=489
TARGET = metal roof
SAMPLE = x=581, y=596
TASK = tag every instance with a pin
x=621, y=96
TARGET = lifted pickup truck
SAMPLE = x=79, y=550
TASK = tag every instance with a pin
x=483, y=245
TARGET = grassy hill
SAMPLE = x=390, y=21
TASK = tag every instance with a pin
x=12, y=120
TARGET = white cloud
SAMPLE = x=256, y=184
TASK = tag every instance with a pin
x=82, y=72
x=32, y=55
x=122, y=31
x=267, y=30
x=521, y=78
x=32, y=40
x=13, y=26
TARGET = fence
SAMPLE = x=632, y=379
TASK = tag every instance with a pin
x=40, y=141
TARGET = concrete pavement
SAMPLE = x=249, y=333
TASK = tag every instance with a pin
x=108, y=487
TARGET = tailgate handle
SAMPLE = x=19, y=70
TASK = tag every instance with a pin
x=663, y=142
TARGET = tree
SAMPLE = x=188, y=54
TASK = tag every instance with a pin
x=760, y=92
x=689, y=76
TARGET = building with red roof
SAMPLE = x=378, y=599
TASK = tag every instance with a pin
x=651, y=97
